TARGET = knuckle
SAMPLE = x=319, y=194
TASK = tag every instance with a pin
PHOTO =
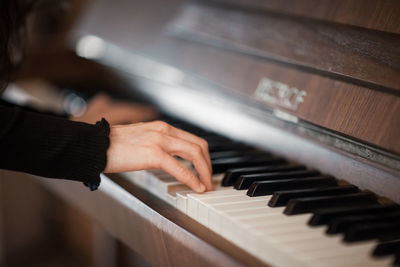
x=162, y=126
x=204, y=144
x=197, y=150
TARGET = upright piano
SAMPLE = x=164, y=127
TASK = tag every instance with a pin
x=300, y=103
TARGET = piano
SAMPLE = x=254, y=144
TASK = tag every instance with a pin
x=300, y=104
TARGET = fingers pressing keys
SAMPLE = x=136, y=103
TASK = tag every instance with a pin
x=153, y=145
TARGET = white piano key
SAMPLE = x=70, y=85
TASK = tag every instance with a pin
x=271, y=218
x=341, y=250
x=334, y=254
x=309, y=245
x=342, y=255
x=355, y=260
x=182, y=196
x=192, y=200
x=217, y=213
x=181, y=200
x=214, y=219
x=173, y=186
x=205, y=204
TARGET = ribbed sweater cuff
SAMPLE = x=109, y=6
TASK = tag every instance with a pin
x=100, y=143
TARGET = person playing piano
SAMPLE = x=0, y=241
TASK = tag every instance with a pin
x=57, y=147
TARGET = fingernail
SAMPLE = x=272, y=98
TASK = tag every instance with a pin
x=202, y=187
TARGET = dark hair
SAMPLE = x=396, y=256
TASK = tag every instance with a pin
x=13, y=14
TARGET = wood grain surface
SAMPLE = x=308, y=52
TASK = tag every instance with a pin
x=362, y=113
x=382, y=15
x=342, y=52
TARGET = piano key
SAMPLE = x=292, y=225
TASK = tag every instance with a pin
x=306, y=205
x=222, y=213
x=181, y=200
x=206, y=204
x=314, y=246
x=273, y=224
x=223, y=164
x=296, y=237
x=343, y=256
x=217, y=214
x=387, y=248
x=332, y=252
x=341, y=224
x=245, y=181
x=373, y=230
x=269, y=187
x=213, y=138
x=311, y=256
x=220, y=218
x=324, y=216
x=281, y=198
x=192, y=199
x=236, y=153
x=232, y=175
x=218, y=146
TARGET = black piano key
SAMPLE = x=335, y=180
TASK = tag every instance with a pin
x=227, y=154
x=373, y=230
x=281, y=198
x=309, y=204
x=387, y=248
x=325, y=216
x=237, y=153
x=214, y=139
x=222, y=165
x=218, y=146
x=341, y=224
x=232, y=175
x=245, y=181
x=263, y=188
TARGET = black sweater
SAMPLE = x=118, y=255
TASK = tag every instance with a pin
x=52, y=146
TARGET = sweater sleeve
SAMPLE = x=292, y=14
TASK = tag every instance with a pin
x=52, y=146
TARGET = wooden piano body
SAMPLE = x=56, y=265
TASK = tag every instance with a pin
x=317, y=82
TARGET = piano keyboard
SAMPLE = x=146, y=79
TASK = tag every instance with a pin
x=281, y=212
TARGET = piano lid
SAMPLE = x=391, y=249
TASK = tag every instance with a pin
x=334, y=76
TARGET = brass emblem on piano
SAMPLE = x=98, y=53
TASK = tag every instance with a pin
x=279, y=94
